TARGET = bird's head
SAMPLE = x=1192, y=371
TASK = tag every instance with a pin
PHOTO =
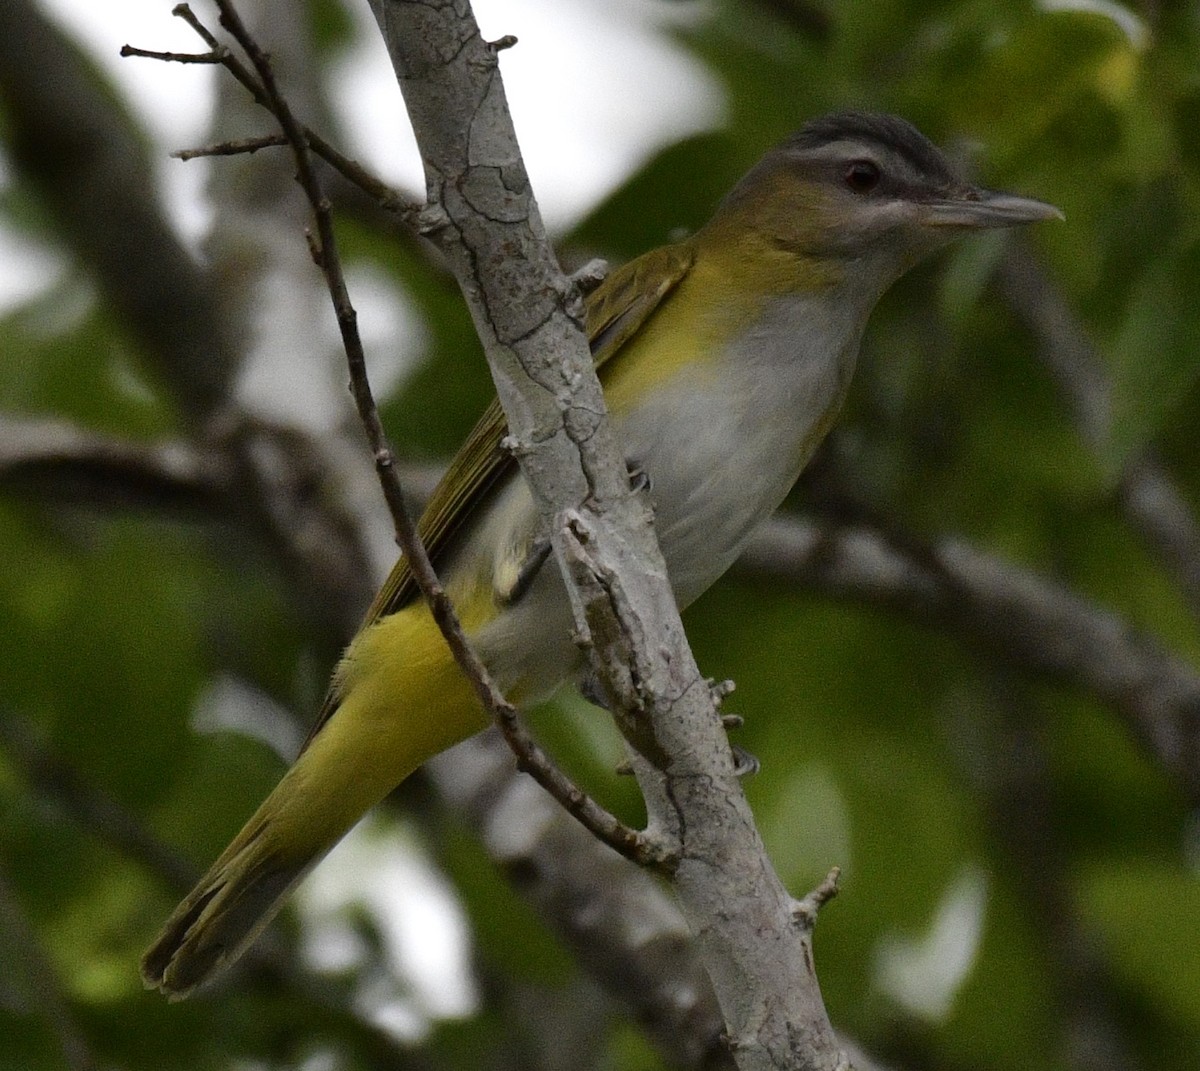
x=854, y=194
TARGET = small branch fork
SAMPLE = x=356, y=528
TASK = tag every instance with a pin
x=387, y=197
x=805, y=911
x=637, y=846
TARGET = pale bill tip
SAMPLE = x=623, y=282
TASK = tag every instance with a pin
x=990, y=209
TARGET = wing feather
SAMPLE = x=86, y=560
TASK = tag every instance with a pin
x=615, y=311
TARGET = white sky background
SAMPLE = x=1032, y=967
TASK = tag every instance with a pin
x=595, y=87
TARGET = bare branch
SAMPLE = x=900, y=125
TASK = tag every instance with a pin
x=352, y=170
x=325, y=252
x=623, y=927
x=1150, y=497
x=172, y=57
x=805, y=911
x=620, y=924
x=1012, y=613
x=232, y=148
x=99, y=469
x=256, y=475
x=483, y=215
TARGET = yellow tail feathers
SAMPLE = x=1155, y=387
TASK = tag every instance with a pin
x=403, y=700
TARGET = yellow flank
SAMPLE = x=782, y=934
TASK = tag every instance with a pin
x=404, y=700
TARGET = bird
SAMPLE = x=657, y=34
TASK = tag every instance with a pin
x=725, y=358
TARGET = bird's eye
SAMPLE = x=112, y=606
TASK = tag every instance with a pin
x=862, y=176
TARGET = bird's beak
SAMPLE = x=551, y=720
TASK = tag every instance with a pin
x=976, y=208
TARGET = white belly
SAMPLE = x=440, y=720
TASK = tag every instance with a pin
x=721, y=453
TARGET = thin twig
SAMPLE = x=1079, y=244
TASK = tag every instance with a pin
x=235, y=147
x=531, y=758
x=172, y=57
x=805, y=910
x=66, y=462
x=387, y=197
x=1026, y=619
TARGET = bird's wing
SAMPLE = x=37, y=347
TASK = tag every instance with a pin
x=614, y=313
x=624, y=301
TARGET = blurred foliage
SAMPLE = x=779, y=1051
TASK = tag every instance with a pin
x=887, y=747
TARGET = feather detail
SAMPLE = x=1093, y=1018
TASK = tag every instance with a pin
x=398, y=712
x=616, y=310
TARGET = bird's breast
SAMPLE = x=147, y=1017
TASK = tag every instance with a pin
x=722, y=437
x=725, y=437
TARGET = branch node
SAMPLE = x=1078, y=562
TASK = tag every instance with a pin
x=720, y=691
x=804, y=912
x=515, y=447
x=640, y=847
x=744, y=763
x=590, y=275
x=314, y=248
x=502, y=43
x=432, y=219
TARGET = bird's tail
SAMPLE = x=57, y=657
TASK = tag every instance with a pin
x=403, y=700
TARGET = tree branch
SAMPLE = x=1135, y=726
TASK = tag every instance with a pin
x=618, y=922
x=1012, y=613
x=1150, y=497
x=623, y=927
x=66, y=462
x=324, y=249
x=351, y=170
x=483, y=215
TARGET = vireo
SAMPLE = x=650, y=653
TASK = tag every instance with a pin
x=724, y=360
